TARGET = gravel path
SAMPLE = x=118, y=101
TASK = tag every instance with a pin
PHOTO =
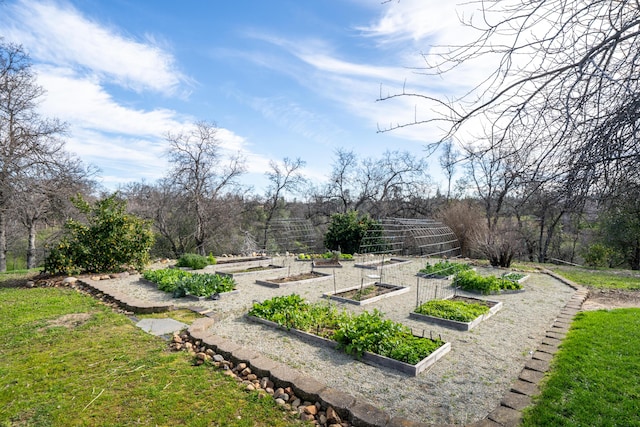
x=462, y=387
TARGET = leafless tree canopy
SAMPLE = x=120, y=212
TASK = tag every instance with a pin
x=565, y=97
x=29, y=144
x=203, y=174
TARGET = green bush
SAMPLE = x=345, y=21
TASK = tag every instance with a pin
x=460, y=311
x=110, y=240
x=599, y=255
x=472, y=281
x=194, y=261
x=181, y=283
x=346, y=231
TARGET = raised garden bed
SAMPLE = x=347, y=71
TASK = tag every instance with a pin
x=249, y=271
x=515, y=277
x=312, y=276
x=240, y=262
x=471, y=281
x=367, y=336
x=382, y=263
x=366, y=293
x=453, y=312
x=442, y=270
x=326, y=263
x=191, y=285
x=325, y=256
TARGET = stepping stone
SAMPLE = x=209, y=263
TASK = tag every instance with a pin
x=161, y=326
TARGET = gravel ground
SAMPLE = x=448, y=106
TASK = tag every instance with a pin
x=462, y=387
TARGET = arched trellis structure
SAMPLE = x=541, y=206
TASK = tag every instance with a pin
x=403, y=236
x=293, y=235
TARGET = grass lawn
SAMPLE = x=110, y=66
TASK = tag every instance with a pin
x=65, y=359
x=594, y=379
x=600, y=279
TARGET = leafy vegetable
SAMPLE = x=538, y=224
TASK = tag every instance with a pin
x=460, y=311
x=354, y=333
x=472, y=281
x=182, y=283
x=444, y=268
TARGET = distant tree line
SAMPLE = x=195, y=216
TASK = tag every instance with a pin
x=499, y=207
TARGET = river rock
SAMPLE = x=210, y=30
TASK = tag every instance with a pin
x=332, y=416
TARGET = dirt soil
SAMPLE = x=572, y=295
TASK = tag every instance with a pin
x=297, y=277
x=369, y=291
x=610, y=299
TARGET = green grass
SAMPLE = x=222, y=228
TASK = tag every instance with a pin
x=102, y=370
x=594, y=377
x=600, y=279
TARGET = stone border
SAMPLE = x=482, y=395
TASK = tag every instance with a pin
x=456, y=324
x=398, y=290
x=125, y=301
x=358, y=413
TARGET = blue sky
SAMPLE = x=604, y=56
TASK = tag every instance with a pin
x=286, y=78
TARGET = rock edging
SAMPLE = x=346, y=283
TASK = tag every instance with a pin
x=257, y=367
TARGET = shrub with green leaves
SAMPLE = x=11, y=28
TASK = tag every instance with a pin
x=444, y=268
x=472, y=281
x=195, y=261
x=109, y=240
x=347, y=230
x=460, y=311
x=354, y=333
x=181, y=283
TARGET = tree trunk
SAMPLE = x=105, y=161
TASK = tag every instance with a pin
x=635, y=262
x=31, y=250
x=3, y=241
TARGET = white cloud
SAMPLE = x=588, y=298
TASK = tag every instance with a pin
x=85, y=103
x=59, y=34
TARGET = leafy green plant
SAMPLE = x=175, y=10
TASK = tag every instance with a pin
x=346, y=231
x=472, y=281
x=460, y=311
x=110, y=240
x=354, y=333
x=194, y=261
x=444, y=268
x=513, y=276
x=182, y=283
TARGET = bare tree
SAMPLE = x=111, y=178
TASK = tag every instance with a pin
x=565, y=88
x=26, y=140
x=282, y=178
x=448, y=160
x=341, y=180
x=202, y=171
x=43, y=194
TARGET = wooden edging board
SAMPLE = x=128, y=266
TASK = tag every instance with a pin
x=377, y=264
x=269, y=283
x=367, y=357
x=240, y=273
x=399, y=290
x=455, y=324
